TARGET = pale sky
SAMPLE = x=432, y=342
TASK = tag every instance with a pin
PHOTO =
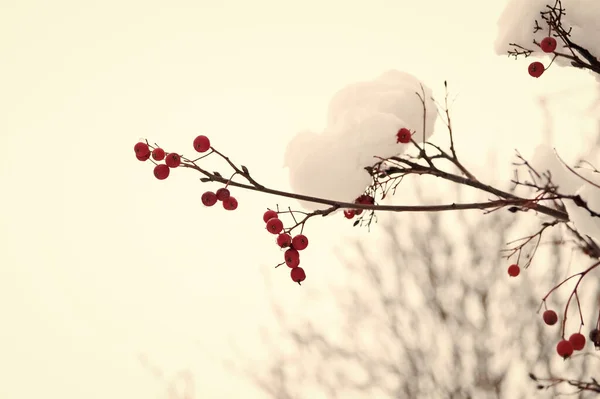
x=100, y=261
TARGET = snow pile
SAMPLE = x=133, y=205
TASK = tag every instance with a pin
x=568, y=183
x=362, y=122
x=518, y=20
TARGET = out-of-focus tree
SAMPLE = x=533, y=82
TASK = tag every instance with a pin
x=432, y=313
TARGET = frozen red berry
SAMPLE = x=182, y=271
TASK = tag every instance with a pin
x=274, y=225
x=292, y=258
x=578, y=341
x=536, y=69
x=158, y=154
x=201, y=143
x=403, y=136
x=550, y=317
x=209, y=198
x=514, y=270
x=365, y=200
x=548, y=44
x=230, y=203
x=223, y=194
x=161, y=172
x=143, y=158
x=141, y=149
x=173, y=160
x=284, y=240
x=298, y=275
x=300, y=242
x=564, y=348
x=348, y=213
x=269, y=215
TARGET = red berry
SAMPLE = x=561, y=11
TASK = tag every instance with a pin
x=142, y=157
x=230, y=203
x=201, y=143
x=578, y=341
x=141, y=149
x=564, y=348
x=536, y=69
x=269, y=215
x=550, y=317
x=173, y=160
x=209, y=198
x=300, y=242
x=349, y=213
x=548, y=45
x=161, y=172
x=223, y=194
x=292, y=258
x=365, y=200
x=403, y=136
x=158, y=154
x=298, y=274
x=274, y=226
x=284, y=240
x=514, y=270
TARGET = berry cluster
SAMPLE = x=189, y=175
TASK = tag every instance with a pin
x=172, y=160
x=284, y=240
x=210, y=198
x=536, y=68
x=576, y=341
x=364, y=200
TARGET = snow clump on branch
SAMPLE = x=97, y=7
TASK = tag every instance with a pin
x=362, y=122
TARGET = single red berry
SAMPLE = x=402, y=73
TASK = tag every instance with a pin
x=514, y=270
x=564, y=348
x=269, y=215
x=274, y=226
x=578, y=341
x=536, y=69
x=403, y=136
x=141, y=149
x=201, y=143
x=300, y=242
x=161, y=172
x=209, y=198
x=365, y=200
x=548, y=45
x=348, y=213
x=158, y=154
x=173, y=160
x=142, y=157
x=550, y=317
x=284, y=240
x=230, y=203
x=298, y=274
x=223, y=194
x=292, y=258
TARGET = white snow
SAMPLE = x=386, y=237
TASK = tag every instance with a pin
x=362, y=121
x=518, y=19
x=516, y=26
x=581, y=218
x=545, y=159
